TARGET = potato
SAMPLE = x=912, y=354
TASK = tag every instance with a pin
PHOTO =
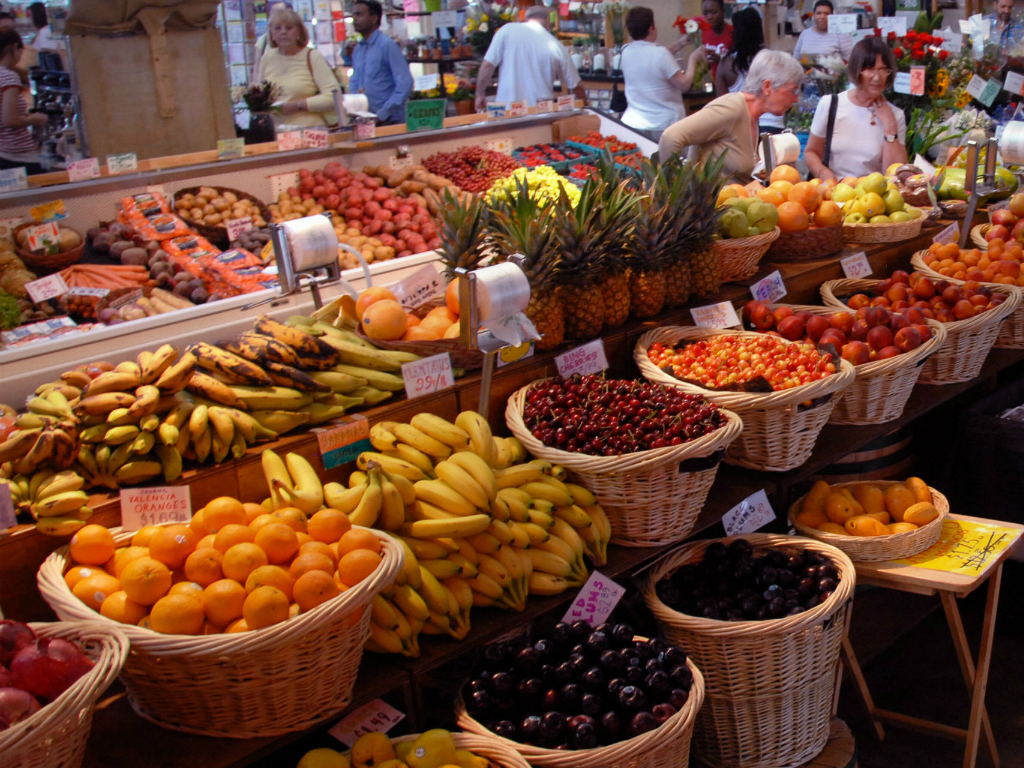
x=183, y=205
x=208, y=209
x=207, y=192
x=188, y=197
x=286, y=208
x=292, y=217
x=195, y=214
x=296, y=199
x=69, y=239
x=258, y=221
x=383, y=252
x=220, y=204
x=135, y=256
x=408, y=187
x=231, y=197
x=212, y=220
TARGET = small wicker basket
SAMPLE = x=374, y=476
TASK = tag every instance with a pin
x=467, y=359
x=218, y=234
x=881, y=388
x=1011, y=333
x=967, y=344
x=779, y=431
x=891, y=547
x=667, y=746
x=56, y=735
x=41, y=262
x=978, y=232
x=808, y=245
x=739, y=257
x=254, y=684
x=883, y=233
x=769, y=684
x=653, y=497
x=497, y=752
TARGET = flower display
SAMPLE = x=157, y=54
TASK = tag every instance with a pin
x=258, y=97
x=483, y=20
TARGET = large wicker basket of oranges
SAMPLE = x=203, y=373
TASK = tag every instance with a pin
x=283, y=663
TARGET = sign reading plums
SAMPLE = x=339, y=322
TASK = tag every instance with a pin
x=596, y=601
x=750, y=514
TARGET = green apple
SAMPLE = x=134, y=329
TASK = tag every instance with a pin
x=739, y=203
x=913, y=211
x=762, y=215
x=860, y=191
x=875, y=182
x=843, y=193
x=893, y=201
x=880, y=219
x=752, y=231
x=856, y=218
x=897, y=216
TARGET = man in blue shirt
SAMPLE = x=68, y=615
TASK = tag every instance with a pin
x=379, y=66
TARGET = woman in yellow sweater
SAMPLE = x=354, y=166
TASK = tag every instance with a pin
x=305, y=77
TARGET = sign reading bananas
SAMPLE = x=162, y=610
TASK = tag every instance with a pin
x=151, y=506
x=340, y=445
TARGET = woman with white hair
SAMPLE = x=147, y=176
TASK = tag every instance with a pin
x=730, y=122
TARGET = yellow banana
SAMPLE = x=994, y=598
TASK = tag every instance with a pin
x=513, y=560
x=276, y=473
x=111, y=381
x=467, y=551
x=382, y=438
x=548, y=584
x=421, y=441
x=424, y=510
x=176, y=376
x=46, y=483
x=502, y=532
x=336, y=496
x=439, y=493
x=581, y=496
x=543, y=519
x=121, y=435
x=518, y=502
x=427, y=550
x=518, y=451
x=60, y=504
x=574, y=516
x=382, y=612
x=203, y=444
x=59, y=526
x=461, y=591
x=279, y=421
x=542, y=490
x=542, y=505
x=536, y=534
x=143, y=444
x=484, y=543
x=502, y=453
x=220, y=447
x=368, y=509
x=410, y=573
x=441, y=430
x=463, y=482
x=138, y=472
x=153, y=364
x=480, y=437
x=496, y=571
x=485, y=585
x=384, y=640
x=409, y=601
x=170, y=460
x=518, y=475
x=247, y=426
x=442, y=569
x=405, y=487
x=104, y=403
x=358, y=478
x=239, y=447
x=414, y=456
x=456, y=527
x=221, y=422
x=520, y=537
x=546, y=562
x=233, y=368
x=198, y=421
x=266, y=398
x=149, y=422
x=371, y=395
x=479, y=469
x=381, y=380
x=167, y=433
x=306, y=492
x=392, y=508
x=179, y=415
x=568, y=534
x=392, y=465
x=500, y=510
x=146, y=398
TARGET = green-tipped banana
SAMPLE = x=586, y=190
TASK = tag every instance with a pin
x=170, y=462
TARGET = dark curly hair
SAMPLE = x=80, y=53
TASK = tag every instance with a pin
x=747, y=37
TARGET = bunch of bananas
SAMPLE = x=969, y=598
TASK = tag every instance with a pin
x=55, y=500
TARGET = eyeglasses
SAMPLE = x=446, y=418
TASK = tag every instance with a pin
x=877, y=71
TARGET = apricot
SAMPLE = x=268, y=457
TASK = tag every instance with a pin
x=920, y=513
x=901, y=527
x=833, y=528
x=870, y=496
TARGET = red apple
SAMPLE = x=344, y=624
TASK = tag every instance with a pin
x=1017, y=205
x=1004, y=217
x=856, y=352
x=15, y=706
x=13, y=637
x=951, y=295
x=1018, y=231
x=748, y=308
x=907, y=339
x=791, y=327
x=899, y=321
x=879, y=336
x=818, y=324
x=998, y=231
x=47, y=668
x=914, y=315
x=881, y=287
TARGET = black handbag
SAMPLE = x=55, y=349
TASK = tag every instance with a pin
x=833, y=107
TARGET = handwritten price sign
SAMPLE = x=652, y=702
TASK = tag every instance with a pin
x=596, y=601
x=948, y=235
x=151, y=506
x=750, y=514
x=289, y=140
x=419, y=287
x=856, y=266
x=431, y=374
x=585, y=360
x=315, y=138
x=715, y=316
x=340, y=445
x=235, y=227
x=769, y=290
x=376, y=717
x=125, y=162
x=46, y=288
x=517, y=108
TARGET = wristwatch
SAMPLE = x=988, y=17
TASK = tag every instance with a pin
x=891, y=137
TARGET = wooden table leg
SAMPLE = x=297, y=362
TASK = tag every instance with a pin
x=963, y=653
x=848, y=657
x=981, y=673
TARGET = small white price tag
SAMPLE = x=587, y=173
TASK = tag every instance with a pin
x=545, y=105
x=503, y=145
x=496, y=110
x=856, y=266
x=952, y=42
x=8, y=519
x=917, y=75
x=431, y=374
x=289, y=140
x=927, y=168
x=400, y=162
x=314, y=138
x=42, y=236
x=517, y=108
x=425, y=82
x=596, y=601
x=976, y=86
x=13, y=179
x=49, y=287
x=721, y=315
x=750, y=514
x=566, y=103
x=444, y=19
x=280, y=182
x=770, y=289
x=235, y=227
x=1014, y=82
x=897, y=24
x=376, y=717
x=965, y=26
x=99, y=293
x=419, y=287
x=901, y=83
x=83, y=170
x=842, y=23
x=230, y=149
x=125, y=162
x=949, y=235
x=584, y=360
x=150, y=506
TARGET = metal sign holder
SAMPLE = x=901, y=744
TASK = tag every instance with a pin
x=978, y=190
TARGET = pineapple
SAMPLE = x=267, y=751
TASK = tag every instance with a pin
x=653, y=246
x=463, y=228
x=521, y=225
x=619, y=211
x=583, y=245
x=697, y=239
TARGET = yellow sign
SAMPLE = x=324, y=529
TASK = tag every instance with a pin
x=964, y=547
x=49, y=211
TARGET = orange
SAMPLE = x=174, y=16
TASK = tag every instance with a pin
x=808, y=195
x=241, y=560
x=206, y=541
x=118, y=607
x=320, y=548
x=411, y=321
x=451, y=296
x=739, y=189
x=198, y=524
x=771, y=195
x=211, y=629
x=828, y=214
x=178, y=575
x=371, y=296
x=203, y=566
x=236, y=626
x=270, y=576
x=793, y=217
x=783, y=187
x=222, y=602
x=232, y=534
x=222, y=511
x=252, y=511
x=328, y=525
x=143, y=535
x=177, y=615
x=304, y=538
x=311, y=561
x=454, y=331
x=95, y=589
x=313, y=588
x=264, y=607
x=145, y=580
x=144, y=623
x=293, y=517
x=385, y=320
x=92, y=545
x=436, y=324
x=444, y=313
x=785, y=173
x=278, y=541
x=358, y=538
x=294, y=610
x=125, y=555
x=172, y=544
x=186, y=588
x=421, y=333
x=78, y=573
x=357, y=565
x=258, y=522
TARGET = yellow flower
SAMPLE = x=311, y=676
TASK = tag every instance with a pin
x=485, y=17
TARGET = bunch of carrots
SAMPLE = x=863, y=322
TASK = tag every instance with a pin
x=110, y=276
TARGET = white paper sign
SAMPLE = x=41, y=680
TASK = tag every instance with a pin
x=545, y=105
x=398, y=163
x=444, y=19
x=749, y=515
x=235, y=227
x=976, y=86
x=49, y=287
x=595, y=601
x=425, y=82
x=418, y=288
x=901, y=83
x=150, y=506
x=503, y=145
x=125, y=162
x=13, y=179
x=770, y=289
x=83, y=170
x=431, y=374
x=715, y=316
x=289, y=140
x=965, y=27
x=8, y=519
x=281, y=182
x=843, y=23
x=584, y=360
x=495, y=110
x=42, y=236
x=314, y=138
x=952, y=43
x=517, y=108
x=856, y=266
x=566, y=103
x=897, y=24
x=98, y=293
x=926, y=168
x=376, y=717
x=1014, y=81
x=949, y=235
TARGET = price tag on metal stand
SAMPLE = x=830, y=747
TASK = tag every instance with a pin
x=13, y=179
x=125, y=162
x=235, y=227
x=83, y=170
x=425, y=82
x=512, y=354
x=566, y=103
x=584, y=360
x=341, y=444
x=376, y=717
x=596, y=601
x=444, y=19
x=545, y=105
x=948, y=235
x=151, y=506
x=856, y=266
x=843, y=23
x=750, y=514
x=1014, y=82
x=721, y=315
x=8, y=519
x=431, y=374
x=314, y=138
x=518, y=108
x=770, y=289
x=496, y=110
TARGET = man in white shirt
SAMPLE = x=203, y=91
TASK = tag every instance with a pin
x=531, y=59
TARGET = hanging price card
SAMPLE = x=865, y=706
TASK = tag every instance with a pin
x=566, y=103
x=289, y=140
x=770, y=289
x=584, y=360
x=376, y=717
x=917, y=81
x=151, y=506
x=13, y=179
x=897, y=24
x=425, y=82
x=976, y=86
x=431, y=374
x=400, y=162
x=7, y=517
x=715, y=316
x=341, y=444
x=235, y=227
x=952, y=42
x=517, y=108
x=43, y=237
x=545, y=105
x=596, y=601
x=125, y=162
x=230, y=149
x=1014, y=82
x=83, y=170
x=856, y=266
x=45, y=288
x=50, y=211
x=444, y=18
x=280, y=182
x=418, y=288
x=842, y=23
x=503, y=145
x=495, y=110
x=750, y=514
x=948, y=235
x=992, y=88
x=901, y=83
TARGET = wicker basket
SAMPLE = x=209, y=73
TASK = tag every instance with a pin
x=967, y=341
x=769, y=684
x=778, y=430
x=883, y=233
x=739, y=257
x=218, y=235
x=467, y=359
x=667, y=746
x=881, y=388
x=248, y=685
x=55, y=736
x=978, y=236
x=1011, y=333
x=652, y=497
x=891, y=547
x=497, y=752
x=38, y=262
x=809, y=245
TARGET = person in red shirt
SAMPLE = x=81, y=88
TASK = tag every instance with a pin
x=718, y=40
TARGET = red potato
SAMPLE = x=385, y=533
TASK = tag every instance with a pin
x=399, y=245
x=293, y=191
x=353, y=213
x=392, y=205
x=375, y=183
x=373, y=227
x=429, y=232
x=407, y=209
x=372, y=207
x=387, y=239
x=367, y=195
x=389, y=227
x=332, y=202
x=305, y=173
x=306, y=185
x=380, y=195
x=404, y=253
x=435, y=244
x=383, y=215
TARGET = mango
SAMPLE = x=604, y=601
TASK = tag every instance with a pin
x=871, y=498
x=839, y=507
x=901, y=527
x=833, y=528
x=920, y=513
x=814, y=501
x=812, y=519
x=897, y=499
x=862, y=525
x=919, y=488
x=882, y=517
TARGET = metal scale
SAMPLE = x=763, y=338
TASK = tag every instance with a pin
x=978, y=190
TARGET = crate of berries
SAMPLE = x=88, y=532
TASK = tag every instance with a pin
x=597, y=143
x=559, y=155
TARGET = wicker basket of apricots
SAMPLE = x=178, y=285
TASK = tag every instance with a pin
x=1000, y=265
x=231, y=615
x=879, y=520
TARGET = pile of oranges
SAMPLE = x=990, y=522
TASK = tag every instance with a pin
x=383, y=318
x=802, y=204
x=1000, y=264
x=234, y=568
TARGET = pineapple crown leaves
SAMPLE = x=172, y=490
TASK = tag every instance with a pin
x=520, y=224
x=463, y=231
x=702, y=193
x=663, y=215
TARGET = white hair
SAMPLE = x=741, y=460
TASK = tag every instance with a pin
x=537, y=13
x=776, y=67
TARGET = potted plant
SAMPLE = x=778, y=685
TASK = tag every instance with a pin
x=463, y=95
